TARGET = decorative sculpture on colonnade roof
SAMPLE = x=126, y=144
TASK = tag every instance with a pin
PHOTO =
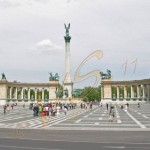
x=3, y=76
x=106, y=75
x=53, y=78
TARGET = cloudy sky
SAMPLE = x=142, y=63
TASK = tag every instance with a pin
x=32, y=38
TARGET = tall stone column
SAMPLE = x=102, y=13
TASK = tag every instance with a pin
x=68, y=85
x=132, y=91
x=118, y=92
x=35, y=93
x=125, y=92
x=144, y=92
x=42, y=93
x=138, y=91
x=10, y=92
x=16, y=93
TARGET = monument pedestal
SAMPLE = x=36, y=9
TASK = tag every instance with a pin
x=69, y=87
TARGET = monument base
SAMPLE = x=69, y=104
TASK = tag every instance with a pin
x=69, y=87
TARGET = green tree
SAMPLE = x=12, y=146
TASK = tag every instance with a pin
x=91, y=94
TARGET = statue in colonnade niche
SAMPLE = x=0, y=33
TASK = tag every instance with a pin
x=32, y=98
x=46, y=97
x=121, y=95
x=114, y=95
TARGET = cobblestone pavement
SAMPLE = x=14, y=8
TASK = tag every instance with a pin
x=80, y=119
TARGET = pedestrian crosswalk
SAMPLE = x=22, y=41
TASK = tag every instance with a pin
x=35, y=122
x=97, y=118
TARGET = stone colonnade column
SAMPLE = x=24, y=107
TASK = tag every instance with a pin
x=16, y=93
x=144, y=92
x=10, y=93
x=138, y=91
x=125, y=92
x=42, y=93
x=132, y=91
x=118, y=92
x=35, y=94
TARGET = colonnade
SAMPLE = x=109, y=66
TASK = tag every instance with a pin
x=125, y=90
x=131, y=92
x=25, y=93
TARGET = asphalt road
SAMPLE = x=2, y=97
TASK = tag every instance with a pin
x=74, y=140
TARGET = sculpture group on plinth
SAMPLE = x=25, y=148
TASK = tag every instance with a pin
x=53, y=77
x=106, y=75
x=3, y=76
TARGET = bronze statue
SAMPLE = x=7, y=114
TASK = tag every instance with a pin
x=59, y=92
x=67, y=29
x=106, y=75
x=53, y=78
x=66, y=92
x=3, y=76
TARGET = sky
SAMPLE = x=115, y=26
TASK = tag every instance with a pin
x=32, y=38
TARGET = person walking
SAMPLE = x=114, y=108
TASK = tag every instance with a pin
x=65, y=110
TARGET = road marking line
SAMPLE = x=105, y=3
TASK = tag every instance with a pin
x=78, y=121
x=85, y=116
x=145, y=116
x=22, y=147
x=119, y=121
x=96, y=123
x=117, y=116
x=136, y=121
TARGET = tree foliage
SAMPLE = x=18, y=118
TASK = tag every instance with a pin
x=91, y=93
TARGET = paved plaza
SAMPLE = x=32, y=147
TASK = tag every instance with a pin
x=80, y=119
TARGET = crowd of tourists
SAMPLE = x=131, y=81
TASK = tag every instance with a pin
x=50, y=109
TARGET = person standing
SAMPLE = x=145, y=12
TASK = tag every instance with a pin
x=65, y=110
x=5, y=109
x=24, y=105
x=107, y=106
x=12, y=105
